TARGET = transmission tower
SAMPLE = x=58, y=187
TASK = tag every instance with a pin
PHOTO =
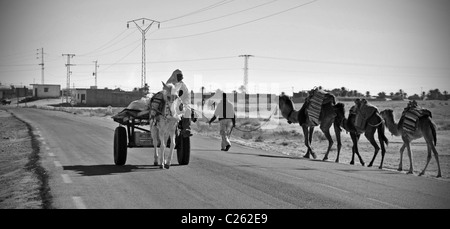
x=95, y=73
x=143, y=30
x=41, y=52
x=68, y=74
x=246, y=71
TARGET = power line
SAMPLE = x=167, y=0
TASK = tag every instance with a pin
x=117, y=62
x=113, y=51
x=200, y=10
x=223, y=16
x=346, y=63
x=106, y=46
x=162, y=61
x=237, y=25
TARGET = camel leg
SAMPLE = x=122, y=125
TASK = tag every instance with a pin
x=355, y=150
x=381, y=138
x=411, y=167
x=311, y=133
x=431, y=148
x=354, y=138
x=428, y=159
x=337, y=132
x=402, y=149
x=326, y=131
x=370, y=136
x=354, y=147
x=307, y=141
x=436, y=156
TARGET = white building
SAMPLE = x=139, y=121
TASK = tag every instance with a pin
x=46, y=90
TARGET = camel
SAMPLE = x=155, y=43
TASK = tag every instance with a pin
x=164, y=125
x=374, y=123
x=426, y=128
x=327, y=118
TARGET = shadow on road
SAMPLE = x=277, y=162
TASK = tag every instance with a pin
x=100, y=170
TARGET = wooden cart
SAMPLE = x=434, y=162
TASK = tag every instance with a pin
x=131, y=134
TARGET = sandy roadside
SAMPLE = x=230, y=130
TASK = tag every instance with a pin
x=23, y=182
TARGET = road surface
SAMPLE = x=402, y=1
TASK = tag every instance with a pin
x=77, y=152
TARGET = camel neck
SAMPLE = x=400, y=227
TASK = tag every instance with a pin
x=344, y=124
x=392, y=126
x=292, y=116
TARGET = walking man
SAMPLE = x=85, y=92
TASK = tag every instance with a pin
x=227, y=119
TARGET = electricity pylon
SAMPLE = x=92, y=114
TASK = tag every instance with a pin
x=246, y=71
x=41, y=51
x=143, y=31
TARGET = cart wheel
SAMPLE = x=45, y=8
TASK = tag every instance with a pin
x=183, y=149
x=120, y=145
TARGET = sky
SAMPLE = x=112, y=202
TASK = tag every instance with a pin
x=364, y=45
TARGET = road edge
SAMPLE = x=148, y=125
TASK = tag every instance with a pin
x=34, y=165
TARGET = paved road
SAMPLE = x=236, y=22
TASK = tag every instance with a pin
x=77, y=152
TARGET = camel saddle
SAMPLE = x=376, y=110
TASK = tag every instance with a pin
x=313, y=105
x=363, y=113
x=411, y=116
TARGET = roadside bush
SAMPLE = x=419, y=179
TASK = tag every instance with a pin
x=284, y=143
x=247, y=136
x=260, y=138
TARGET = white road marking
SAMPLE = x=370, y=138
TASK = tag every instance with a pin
x=57, y=164
x=78, y=202
x=388, y=204
x=44, y=143
x=51, y=154
x=66, y=179
x=47, y=148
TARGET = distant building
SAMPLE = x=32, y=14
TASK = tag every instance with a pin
x=104, y=97
x=6, y=92
x=46, y=90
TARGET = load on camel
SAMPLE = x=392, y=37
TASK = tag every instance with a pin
x=319, y=109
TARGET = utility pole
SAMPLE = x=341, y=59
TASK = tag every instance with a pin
x=246, y=71
x=41, y=50
x=95, y=73
x=68, y=74
x=143, y=31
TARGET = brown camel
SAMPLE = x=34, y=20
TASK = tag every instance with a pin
x=426, y=128
x=374, y=123
x=327, y=118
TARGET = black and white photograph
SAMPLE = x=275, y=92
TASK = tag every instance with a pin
x=247, y=106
